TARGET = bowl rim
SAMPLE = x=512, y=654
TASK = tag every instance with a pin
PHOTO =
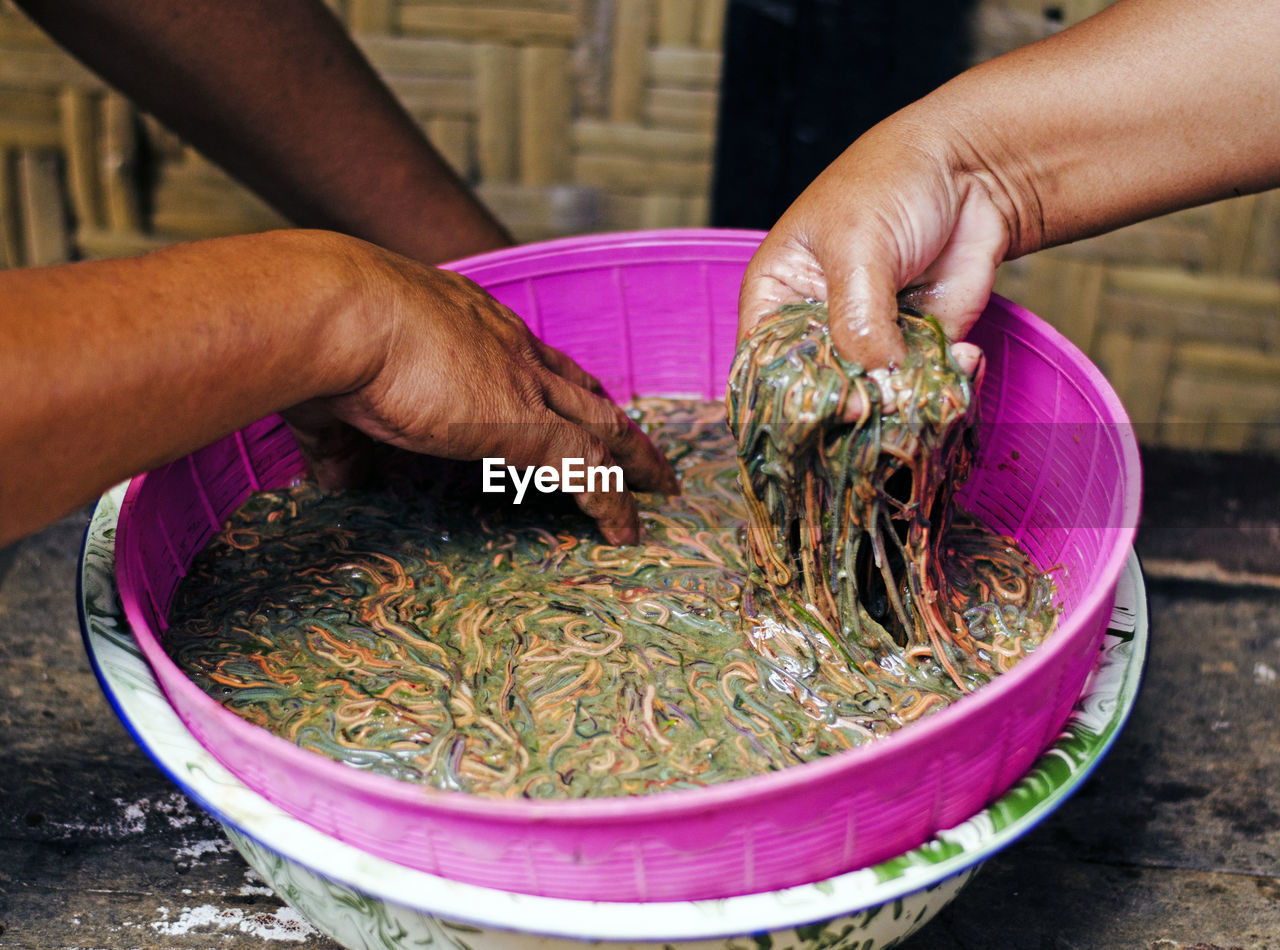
x=687, y=803
x=137, y=698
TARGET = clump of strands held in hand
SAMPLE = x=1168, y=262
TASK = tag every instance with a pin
x=426, y=632
x=861, y=563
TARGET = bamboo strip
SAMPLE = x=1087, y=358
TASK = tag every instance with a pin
x=998, y=28
x=434, y=95
x=1233, y=229
x=1231, y=363
x=197, y=199
x=31, y=105
x=1068, y=291
x=10, y=212
x=661, y=211
x=45, y=237
x=632, y=139
x=1189, y=319
x=17, y=31
x=638, y=174
x=710, y=30
x=684, y=68
x=591, y=57
x=697, y=211
x=620, y=210
x=1263, y=256
x=1209, y=287
x=1197, y=396
x=44, y=67
x=527, y=6
x=22, y=132
x=371, y=16
x=1181, y=240
x=630, y=49
x=1148, y=374
x=79, y=138
x=497, y=118
x=692, y=110
x=677, y=22
x=1073, y=11
x=536, y=212
x=545, y=105
x=412, y=55
x=230, y=215
x=1139, y=369
x=119, y=164
x=490, y=23
x=1228, y=435
x=164, y=145
x=1183, y=431
x=452, y=139
x=97, y=243
x=627, y=211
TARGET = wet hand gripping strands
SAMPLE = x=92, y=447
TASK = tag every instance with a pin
x=861, y=563
x=424, y=633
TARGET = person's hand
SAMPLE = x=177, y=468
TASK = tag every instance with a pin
x=457, y=375
x=893, y=220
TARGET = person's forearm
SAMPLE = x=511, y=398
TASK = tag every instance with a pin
x=113, y=367
x=279, y=96
x=1150, y=106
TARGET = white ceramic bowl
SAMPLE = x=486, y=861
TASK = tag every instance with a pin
x=362, y=901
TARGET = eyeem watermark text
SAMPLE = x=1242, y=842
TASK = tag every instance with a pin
x=573, y=475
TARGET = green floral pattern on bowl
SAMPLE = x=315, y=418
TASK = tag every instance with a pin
x=367, y=902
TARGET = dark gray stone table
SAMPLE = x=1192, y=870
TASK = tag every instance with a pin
x=1173, y=843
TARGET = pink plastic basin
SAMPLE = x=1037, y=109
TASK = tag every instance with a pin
x=655, y=313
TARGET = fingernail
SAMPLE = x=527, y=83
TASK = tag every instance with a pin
x=967, y=356
x=622, y=534
x=670, y=480
x=854, y=408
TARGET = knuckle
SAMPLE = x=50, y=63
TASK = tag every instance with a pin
x=618, y=426
x=594, y=452
x=528, y=389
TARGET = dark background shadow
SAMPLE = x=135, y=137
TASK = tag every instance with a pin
x=804, y=78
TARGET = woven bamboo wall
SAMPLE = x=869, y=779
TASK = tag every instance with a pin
x=588, y=115
x=568, y=116
x=1182, y=312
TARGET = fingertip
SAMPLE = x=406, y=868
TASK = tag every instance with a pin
x=871, y=340
x=621, y=533
x=856, y=407
x=863, y=315
x=667, y=481
x=339, y=456
x=334, y=475
x=616, y=514
x=646, y=468
x=672, y=486
x=614, y=510
x=968, y=357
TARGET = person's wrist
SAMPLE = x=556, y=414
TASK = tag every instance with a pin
x=351, y=307
x=981, y=150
